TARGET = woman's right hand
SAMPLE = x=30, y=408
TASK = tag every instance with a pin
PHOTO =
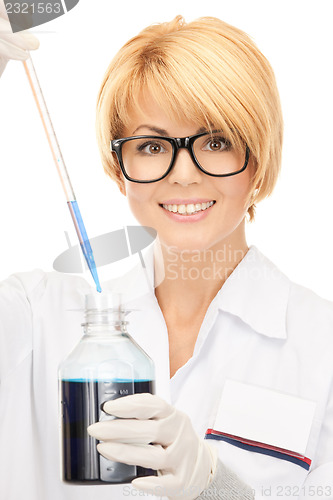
x=13, y=45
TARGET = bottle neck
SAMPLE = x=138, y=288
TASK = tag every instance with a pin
x=105, y=321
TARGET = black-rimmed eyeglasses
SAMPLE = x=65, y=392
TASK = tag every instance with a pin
x=150, y=158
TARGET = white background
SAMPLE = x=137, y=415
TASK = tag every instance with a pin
x=293, y=228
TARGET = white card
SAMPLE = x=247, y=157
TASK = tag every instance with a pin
x=266, y=416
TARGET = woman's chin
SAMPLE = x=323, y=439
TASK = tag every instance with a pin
x=181, y=245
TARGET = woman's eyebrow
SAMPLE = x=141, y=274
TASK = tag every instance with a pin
x=162, y=131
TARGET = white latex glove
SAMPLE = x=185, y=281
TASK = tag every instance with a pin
x=13, y=45
x=157, y=436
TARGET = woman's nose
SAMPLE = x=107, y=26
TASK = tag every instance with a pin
x=184, y=170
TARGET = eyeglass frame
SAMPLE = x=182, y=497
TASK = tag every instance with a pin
x=177, y=143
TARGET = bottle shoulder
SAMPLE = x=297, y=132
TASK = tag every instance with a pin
x=103, y=356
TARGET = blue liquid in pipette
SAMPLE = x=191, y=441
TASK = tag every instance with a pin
x=85, y=244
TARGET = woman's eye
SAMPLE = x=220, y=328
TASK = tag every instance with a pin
x=216, y=144
x=152, y=148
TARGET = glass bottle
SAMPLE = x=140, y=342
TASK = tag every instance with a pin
x=106, y=364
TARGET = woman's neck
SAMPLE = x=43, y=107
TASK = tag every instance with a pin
x=193, y=278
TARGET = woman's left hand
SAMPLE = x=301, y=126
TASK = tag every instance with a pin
x=157, y=436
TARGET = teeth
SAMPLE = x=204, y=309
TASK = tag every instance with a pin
x=188, y=209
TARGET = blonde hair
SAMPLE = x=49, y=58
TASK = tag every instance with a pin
x=205, y=71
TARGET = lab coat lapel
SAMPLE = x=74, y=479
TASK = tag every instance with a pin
x=257, y=292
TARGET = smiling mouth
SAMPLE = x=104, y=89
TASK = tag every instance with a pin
x=190, y=209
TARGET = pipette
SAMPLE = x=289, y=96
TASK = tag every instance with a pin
x=62, y=170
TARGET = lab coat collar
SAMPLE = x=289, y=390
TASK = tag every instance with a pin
x=257, y=292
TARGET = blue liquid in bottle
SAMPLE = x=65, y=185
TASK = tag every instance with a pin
x=82, y=403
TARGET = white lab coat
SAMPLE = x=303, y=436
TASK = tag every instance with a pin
x=260, y=329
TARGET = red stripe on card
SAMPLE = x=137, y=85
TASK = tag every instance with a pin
x=260, y=445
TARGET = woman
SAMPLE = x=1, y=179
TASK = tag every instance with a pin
x=208, y=81
x=242, y=354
